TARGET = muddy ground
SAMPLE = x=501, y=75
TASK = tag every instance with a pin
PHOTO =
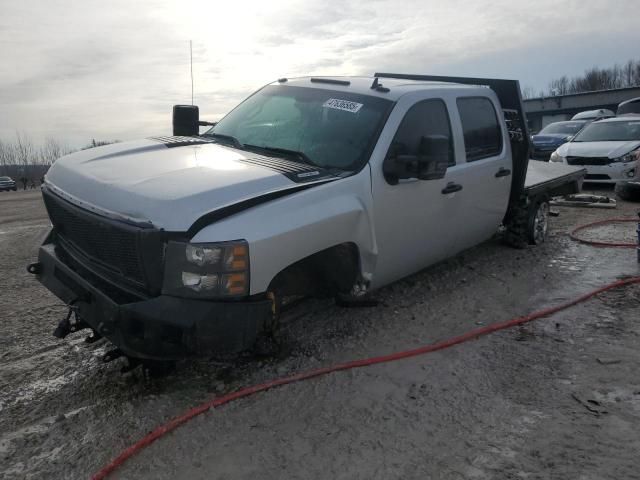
x=558, y=399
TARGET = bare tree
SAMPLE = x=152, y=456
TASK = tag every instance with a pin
x=99, y=143
x=617, y=76
x=7, y=156
x=559, y=86
x=628, y=71
x=22, y=158
x=51, y=150
x=528, y=92
x=25, y=154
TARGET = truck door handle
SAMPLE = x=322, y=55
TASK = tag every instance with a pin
x=451, y=187
x=503, y=172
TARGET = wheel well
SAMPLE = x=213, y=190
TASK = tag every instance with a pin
x=327, y=272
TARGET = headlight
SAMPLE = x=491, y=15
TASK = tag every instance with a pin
x=206, y=270
x=556, y=157
x=629, y=157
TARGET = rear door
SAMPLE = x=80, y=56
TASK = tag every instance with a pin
x=485, y=158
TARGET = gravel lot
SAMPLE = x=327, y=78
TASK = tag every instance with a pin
x=559, y=398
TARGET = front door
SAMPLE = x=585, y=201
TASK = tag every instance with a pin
x=414, y=218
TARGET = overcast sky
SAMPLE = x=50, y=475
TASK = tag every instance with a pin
x=77, y=70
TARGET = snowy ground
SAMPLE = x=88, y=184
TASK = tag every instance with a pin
x=557, y=399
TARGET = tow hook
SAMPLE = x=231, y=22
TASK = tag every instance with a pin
x=66, y=326
x=34, y=268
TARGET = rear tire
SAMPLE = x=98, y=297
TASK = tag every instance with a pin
x=538, y=223
x=628, y=191
x=515, y=234
x=528, y=224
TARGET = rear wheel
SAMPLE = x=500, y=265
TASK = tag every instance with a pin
x=538, y=223
x=515, y=234
x=529, y=223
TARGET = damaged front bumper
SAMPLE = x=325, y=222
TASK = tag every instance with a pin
x=160, y=328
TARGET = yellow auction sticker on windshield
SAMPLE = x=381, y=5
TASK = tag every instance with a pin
x=344, y=105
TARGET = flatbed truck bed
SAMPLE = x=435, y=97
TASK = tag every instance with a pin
x=552, y=179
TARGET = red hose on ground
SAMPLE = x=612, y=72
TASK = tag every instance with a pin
x=245, y=392
x=594, y=243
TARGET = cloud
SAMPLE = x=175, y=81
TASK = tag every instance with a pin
x=95, y=69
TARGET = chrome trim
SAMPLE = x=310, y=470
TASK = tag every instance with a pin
x=138, y=222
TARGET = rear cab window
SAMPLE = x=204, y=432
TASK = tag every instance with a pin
x=481, y=128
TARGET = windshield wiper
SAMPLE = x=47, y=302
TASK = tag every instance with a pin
x=223, y=137
x=284, y=151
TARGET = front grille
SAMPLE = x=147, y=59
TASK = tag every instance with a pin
x=588, y=160
x=596, y=176
x=114, y=247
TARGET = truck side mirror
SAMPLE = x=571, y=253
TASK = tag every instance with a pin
x=186, y=120
x=430, y=164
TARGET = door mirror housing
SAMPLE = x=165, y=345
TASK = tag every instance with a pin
x=186, y=120
x=430, y=164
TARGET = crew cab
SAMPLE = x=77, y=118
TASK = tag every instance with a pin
x=185, y=244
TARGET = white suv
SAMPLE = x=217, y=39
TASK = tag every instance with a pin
x=609, y=149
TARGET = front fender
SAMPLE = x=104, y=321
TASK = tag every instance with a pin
x=289, y=229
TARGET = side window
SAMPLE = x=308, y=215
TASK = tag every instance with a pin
x=424, y=126
x=482, y=135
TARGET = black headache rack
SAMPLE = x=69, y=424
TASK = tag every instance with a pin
x=508, y=93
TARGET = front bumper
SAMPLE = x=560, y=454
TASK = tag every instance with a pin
x=161, y=328
x=611, y=173
x=542, y=153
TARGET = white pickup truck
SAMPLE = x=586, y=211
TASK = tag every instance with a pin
x=173, y=246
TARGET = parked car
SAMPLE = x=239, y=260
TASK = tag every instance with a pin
x=552, y=136
x=630, y=107
x=7, y=183
x=170, y=246
x=609, y=149
x=594, y=114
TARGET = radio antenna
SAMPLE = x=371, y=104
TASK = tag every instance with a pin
x=191, y=64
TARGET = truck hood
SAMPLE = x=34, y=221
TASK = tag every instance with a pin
x=170, y=183
x=597, y=149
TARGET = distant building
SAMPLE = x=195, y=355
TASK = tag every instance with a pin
x=543, y=111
